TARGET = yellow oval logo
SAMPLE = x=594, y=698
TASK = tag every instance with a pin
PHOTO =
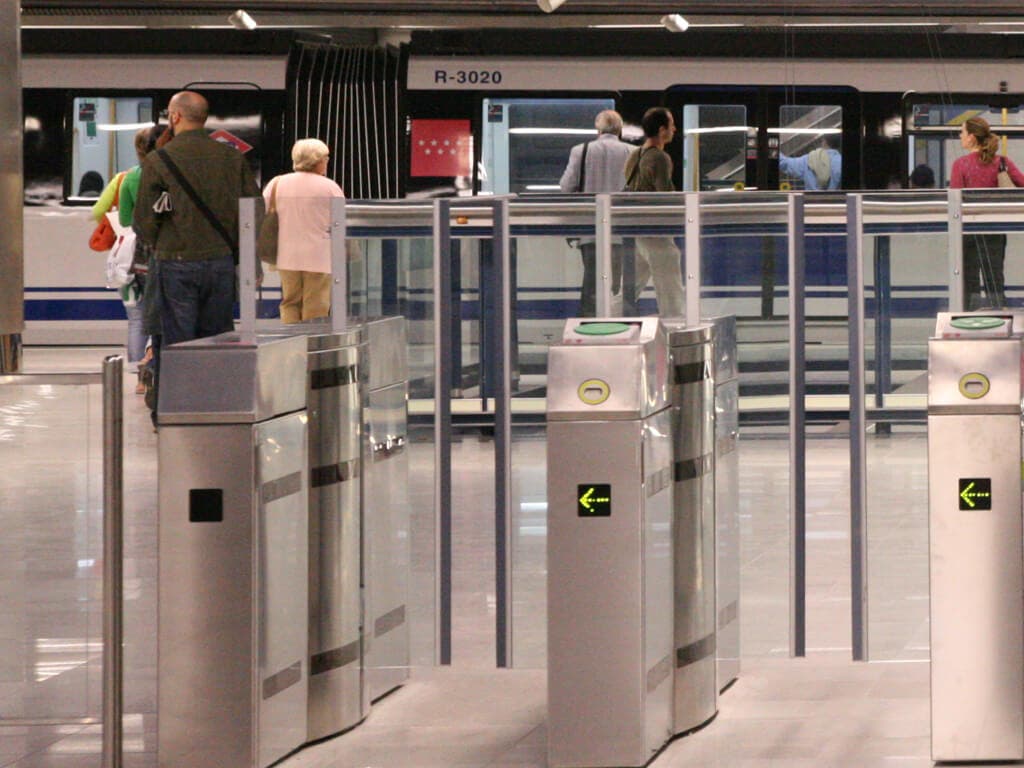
x=974, y=385
x=593, y=391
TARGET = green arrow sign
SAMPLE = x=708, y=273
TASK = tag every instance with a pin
x=975, y=493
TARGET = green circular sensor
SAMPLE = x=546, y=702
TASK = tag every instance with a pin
x=601, y=329
x=979, y=323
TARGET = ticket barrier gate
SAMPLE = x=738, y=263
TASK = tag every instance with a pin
x=610, y=631
x=695, y=688
x=386, y=507
x=335, y=387
x=233, y=572
x=975, y=536
x=727, y=505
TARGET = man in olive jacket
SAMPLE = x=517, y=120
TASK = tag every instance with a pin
x=195, y=261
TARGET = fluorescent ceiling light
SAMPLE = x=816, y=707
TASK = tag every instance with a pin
x=549, y=5
x=555, y=131
x=543, y=188
x=863, y=24
x=656, y=26
x=673, y=22
x=806, y=131
x=123, y=126
x=242, y=20
x=720, y=129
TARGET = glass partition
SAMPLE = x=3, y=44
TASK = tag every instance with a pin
x=51, y=506
x=391, y=266
x=906, y=259
x=744, y=271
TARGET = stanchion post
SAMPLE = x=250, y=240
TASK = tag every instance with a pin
x=113, y=561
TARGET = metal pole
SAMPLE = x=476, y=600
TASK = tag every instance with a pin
x=443, y=321
x=503, y=436
x=858, y=426
x=692, y=258
x=339, y=266
x=797, y=429
x=247, y=264
x=957, y=300
x=12, y=286
x=113, y=561
x=603, y=247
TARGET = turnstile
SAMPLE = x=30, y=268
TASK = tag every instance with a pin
x=233, y=573
x=386, y=507
x=727, y=503
x=693, y=525
x=975, y=537
x=610, y=464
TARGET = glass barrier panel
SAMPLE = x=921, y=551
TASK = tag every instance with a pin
x=745, y=273
x=905, y=262
x=51, y=507
x=651, y=231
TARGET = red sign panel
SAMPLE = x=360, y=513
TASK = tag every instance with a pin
x=231, y=140
x=441, y=148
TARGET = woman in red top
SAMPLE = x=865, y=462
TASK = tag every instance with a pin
x=983, y=254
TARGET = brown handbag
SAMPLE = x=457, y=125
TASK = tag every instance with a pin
x=266, y=244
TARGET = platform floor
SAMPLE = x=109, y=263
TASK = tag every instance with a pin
x=820, y=711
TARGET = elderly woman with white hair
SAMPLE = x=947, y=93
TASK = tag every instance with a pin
x=302, y=200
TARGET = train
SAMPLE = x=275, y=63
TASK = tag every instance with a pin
x=507, y=110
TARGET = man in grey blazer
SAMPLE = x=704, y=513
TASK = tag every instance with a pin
x=598, y=169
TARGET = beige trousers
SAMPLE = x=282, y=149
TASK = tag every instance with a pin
x=304, y=295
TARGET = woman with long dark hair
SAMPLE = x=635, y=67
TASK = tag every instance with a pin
x=983, y=254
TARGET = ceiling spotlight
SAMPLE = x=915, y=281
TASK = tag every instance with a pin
x=675, y=23
x=549, y=5
x=242, y=20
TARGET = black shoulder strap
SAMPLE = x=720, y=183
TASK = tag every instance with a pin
x=191, y=191
x=583, y=168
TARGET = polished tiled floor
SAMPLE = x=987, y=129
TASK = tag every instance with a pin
x=819, y=711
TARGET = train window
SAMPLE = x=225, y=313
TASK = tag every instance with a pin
x=716, y=138
x=810, y=145
x=103, y=140
x=932, y=130
x=44, y=146
x=526, y=142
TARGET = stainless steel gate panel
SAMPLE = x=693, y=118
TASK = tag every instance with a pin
x=232, y=591
x=693, y=524
x=609, y=584
x=727, y=502
x=610, y=550
x=386, y=514
x=337, y=699
x=975, y=539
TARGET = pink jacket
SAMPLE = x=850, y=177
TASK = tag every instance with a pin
x=304, y=220
x=969, y=172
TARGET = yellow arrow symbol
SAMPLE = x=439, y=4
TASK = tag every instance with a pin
x=585, y=498
x=967, y=495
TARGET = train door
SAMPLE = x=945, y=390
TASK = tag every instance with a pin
x=762, y=136
x=931, y=130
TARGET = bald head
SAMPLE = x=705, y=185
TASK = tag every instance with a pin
x=187, y=110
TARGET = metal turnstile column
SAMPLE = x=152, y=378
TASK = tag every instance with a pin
x=233, y=540
x=609, y=545
x=338, y=695
x=693, y=524
x=727, y=498
x=386, y=507
x=975, y=537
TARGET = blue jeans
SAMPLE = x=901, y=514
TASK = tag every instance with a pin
x=136, y=345
x=196, y=298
